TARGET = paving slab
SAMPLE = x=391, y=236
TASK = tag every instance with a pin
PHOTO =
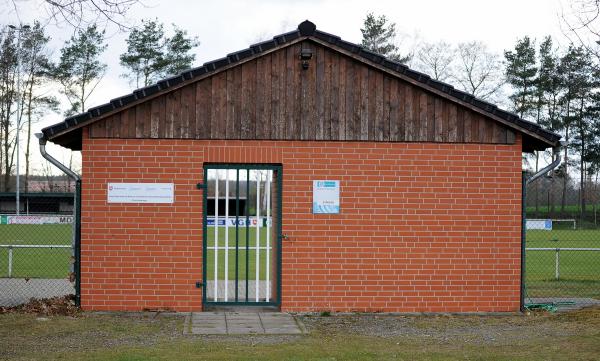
x=242, y=323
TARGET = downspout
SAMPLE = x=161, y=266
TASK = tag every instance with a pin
x=549, y=167
x=525, y=183
x=76, y=241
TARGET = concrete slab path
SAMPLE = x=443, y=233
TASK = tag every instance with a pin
x=242, y=323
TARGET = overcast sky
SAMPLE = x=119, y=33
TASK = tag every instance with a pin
x=227, y=26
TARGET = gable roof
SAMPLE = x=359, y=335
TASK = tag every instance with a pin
x=68, y=133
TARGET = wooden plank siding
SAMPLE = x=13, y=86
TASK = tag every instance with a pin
x=273, y=98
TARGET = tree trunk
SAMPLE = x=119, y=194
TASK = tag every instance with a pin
x=563, y=201
x=536, y=185
x=582, y=161
x=28, y=144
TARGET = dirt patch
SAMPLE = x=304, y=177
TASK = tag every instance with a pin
x=492, y=330
x=541, y=334
x=22, y=334
x=55, y=306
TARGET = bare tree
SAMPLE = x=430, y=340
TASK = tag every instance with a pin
x=46, y=170
x=36, y=101
x=8, y=98
x=478, y=70
x=580, y=22
x=435, y=59
x=80, y=14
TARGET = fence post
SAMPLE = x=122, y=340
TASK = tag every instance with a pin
x=77, y=241
x=10, y=261
x=523, y=239
x=557, y=265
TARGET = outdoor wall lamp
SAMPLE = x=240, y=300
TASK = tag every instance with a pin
x=305, y=56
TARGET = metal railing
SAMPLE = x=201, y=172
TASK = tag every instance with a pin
x=557, y=256
x=10, y=248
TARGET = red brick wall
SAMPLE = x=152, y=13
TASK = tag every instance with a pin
x=423, y=227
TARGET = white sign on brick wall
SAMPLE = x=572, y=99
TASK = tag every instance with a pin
x=326, y=197
x=140, y=192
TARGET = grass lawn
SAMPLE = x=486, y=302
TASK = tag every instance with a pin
x=36, y=262
x=572, y=208
x=133, y=337
x=242, y=255
x=579, y=270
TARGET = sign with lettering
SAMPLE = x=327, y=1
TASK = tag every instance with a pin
x=36, y=219
x=326, y=197
x=140, y=192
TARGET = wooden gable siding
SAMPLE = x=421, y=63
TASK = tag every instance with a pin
x=272, y=97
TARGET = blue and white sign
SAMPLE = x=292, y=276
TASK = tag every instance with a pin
x=241, y=221
x=542, y=224
x=326, y=197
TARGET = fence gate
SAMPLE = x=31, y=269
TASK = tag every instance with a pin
x=242, y=234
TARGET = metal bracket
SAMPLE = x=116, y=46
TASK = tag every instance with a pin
x=201, y=186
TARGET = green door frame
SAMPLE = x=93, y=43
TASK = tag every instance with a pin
x=242, y=166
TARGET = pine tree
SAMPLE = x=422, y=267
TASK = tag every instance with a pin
x=151, y=55
x=548, y=87
x=178, y=50
x=520, y=74
x=378, y=35
x=79, y=69
x=576, y=70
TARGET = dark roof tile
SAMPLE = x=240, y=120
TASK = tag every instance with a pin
x=330, y=38
x=240, y=55
x=349, y=46
x=263, y=46
x=372, y=56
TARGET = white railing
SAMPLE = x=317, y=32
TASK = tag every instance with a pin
x=557, y=255
x=10, y=248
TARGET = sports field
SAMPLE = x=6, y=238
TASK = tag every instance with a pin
x=579, y=270
x=36, y=262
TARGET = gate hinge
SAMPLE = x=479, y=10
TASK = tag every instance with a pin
x=200, y=186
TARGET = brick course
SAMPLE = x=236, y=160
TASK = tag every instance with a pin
x=423, y=226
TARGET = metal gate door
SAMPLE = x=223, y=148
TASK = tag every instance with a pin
x=242, y=234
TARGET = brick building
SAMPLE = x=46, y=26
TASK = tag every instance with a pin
x=369, y=187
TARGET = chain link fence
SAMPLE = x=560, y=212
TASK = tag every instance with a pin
x=562, y=243
x=36, y=251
